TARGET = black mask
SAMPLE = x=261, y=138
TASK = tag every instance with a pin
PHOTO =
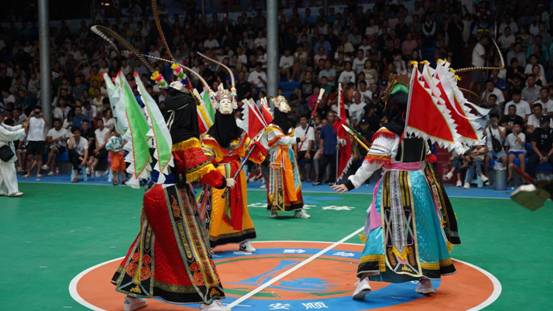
x=281, y=119
x=181, y=108
x=224, y=130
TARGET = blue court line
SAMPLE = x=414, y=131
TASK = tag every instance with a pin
x=452, y=191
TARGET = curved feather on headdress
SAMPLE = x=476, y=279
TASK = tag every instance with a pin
x=159, y=133
x=111, y=36
x=157, y=21
x=232, y=81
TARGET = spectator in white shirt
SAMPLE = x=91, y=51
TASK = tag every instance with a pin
x=523, y=108
x=77, y=147
x=99, y=154
x=357, y=108
x=306, y=135
x=506, y=39
x=515, y=142
x=479, y=60
x=35, y=141
x=347, y=75
x=260, y=41
x=545, y=101
x=359, y=61
x=258, y=78
x=491, y=89
x=286, y=60
x=533, y=60
x=531, y=92
x=366, y=94
x=211, y=42
x=534, y=119
x=56, y=138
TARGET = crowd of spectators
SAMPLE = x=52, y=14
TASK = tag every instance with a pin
x=359, y=48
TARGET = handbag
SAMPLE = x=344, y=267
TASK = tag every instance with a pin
x=6, y=153
x=496, y=144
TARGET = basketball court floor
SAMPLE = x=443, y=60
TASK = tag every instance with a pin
x=61, y=244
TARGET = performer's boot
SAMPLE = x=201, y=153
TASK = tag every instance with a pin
x=132, y=303
x=216, y=305
x=363, y=287
x=247, y=247
x=425, y=286
x=302, y=214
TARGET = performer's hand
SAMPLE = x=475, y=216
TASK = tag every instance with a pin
x=339, y=188
x=230, y=182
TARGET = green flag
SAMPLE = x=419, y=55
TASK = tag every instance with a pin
x=159, y=131
x=139, y=148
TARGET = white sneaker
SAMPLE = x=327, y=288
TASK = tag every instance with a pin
x=425, y=286
x=484, y=178
x=45, y=167
x=273, y=214
x=362, y=288
x=16, y=194
x=216, y=305
x=132, y=303
x=466, y=186
x=302, y=214
x=459, y=183
x=247, y=247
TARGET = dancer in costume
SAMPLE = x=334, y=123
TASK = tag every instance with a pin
x=170, y=257
x=405, y=237
x=227, y=145
x=284, y=189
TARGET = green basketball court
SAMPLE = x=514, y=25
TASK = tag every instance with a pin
x=58, y=230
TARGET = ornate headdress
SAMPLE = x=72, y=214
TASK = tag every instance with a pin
x=225, y=100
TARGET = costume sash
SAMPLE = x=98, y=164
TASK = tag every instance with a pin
x=398, y=224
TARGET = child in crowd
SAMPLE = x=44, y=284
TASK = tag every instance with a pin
x=117, y=155
x=516, y=142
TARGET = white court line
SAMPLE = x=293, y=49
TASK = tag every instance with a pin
x=75, y=281
x=496, y=287
x=291, y=270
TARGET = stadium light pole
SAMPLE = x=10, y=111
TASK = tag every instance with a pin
x=272, y=47
x=44, y=58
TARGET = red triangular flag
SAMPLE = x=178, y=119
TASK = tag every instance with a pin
x=425, y=118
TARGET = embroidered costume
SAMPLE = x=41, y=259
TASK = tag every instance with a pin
x=227, y=145
x=230, y=220
x=284, y=189
x=410, y=226
x=170, y=257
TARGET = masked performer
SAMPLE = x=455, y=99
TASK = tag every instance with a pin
x=227, y=145
x=405, y=237
x=170, y=258
x=284, y=189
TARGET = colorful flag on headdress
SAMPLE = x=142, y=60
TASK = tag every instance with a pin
x=427, y=117
x=254, y=122
x=137, y=146
x=116, y=104
x=266, y=110
x=467, y=127
x=159, y=133
x=206, y=112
